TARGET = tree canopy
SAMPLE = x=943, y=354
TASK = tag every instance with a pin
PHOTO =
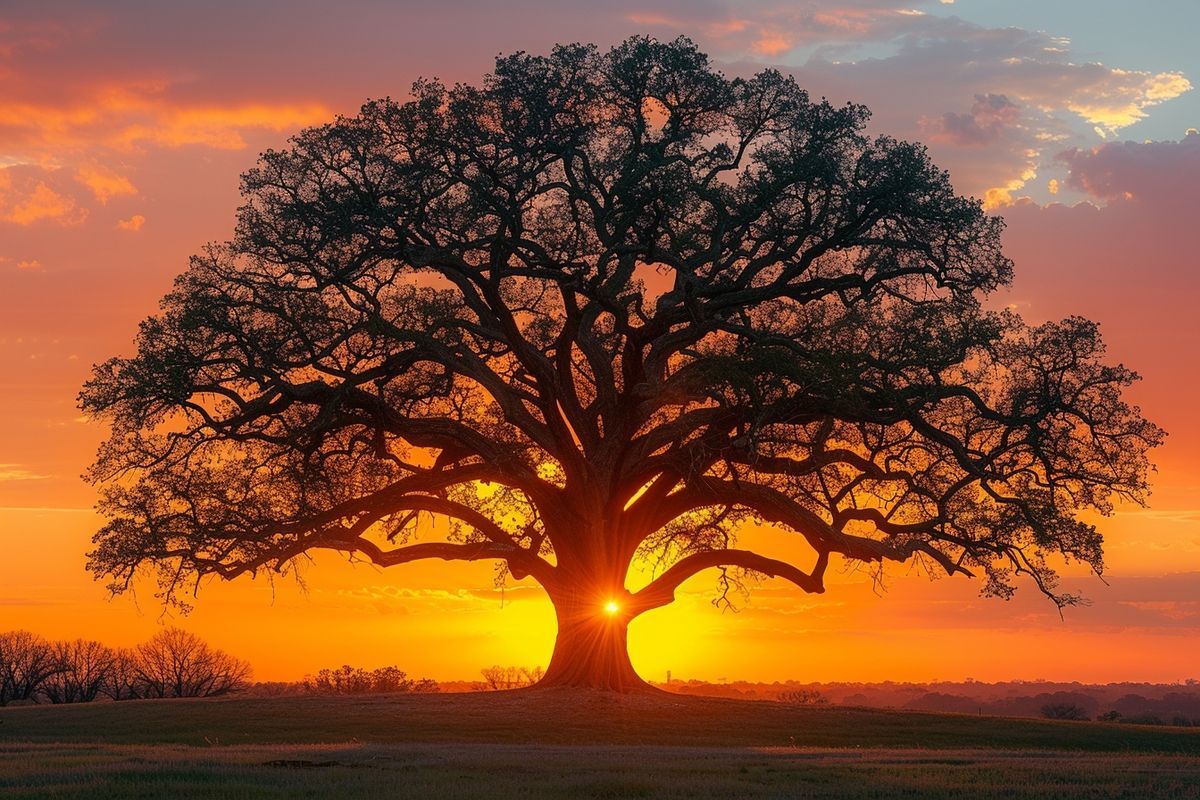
x=607, y=306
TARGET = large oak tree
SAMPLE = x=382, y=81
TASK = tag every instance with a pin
x=607, y=307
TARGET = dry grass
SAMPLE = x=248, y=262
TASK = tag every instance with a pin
x=572, y=744
x=561, y=717
x=539, y=771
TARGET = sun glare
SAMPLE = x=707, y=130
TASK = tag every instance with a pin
x=611, y=607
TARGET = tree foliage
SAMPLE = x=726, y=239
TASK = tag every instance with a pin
x=607, y=306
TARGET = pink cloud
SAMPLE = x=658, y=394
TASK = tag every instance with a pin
x=772, y=43
x=988, y=118
x=1152, y=171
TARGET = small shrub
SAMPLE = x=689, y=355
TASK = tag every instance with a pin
x=1063, y=711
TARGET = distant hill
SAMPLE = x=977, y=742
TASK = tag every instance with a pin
x=1150, y=703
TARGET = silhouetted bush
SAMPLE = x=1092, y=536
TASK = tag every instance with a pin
x=355, y=680
x=1063, y=711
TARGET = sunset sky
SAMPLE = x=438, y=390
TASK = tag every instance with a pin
x=124, y=127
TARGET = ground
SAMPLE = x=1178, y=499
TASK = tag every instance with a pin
x=564, y=743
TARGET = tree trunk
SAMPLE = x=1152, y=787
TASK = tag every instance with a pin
x=591, y=650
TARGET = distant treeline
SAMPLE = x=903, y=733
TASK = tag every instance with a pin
x=355, y=680
x=349, y=680
x=176, y=663
x=172, y=663
x=1138, y=703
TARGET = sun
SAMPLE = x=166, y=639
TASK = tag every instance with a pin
x=611, y=607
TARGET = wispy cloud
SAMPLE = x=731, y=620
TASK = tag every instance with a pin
x=18, y=472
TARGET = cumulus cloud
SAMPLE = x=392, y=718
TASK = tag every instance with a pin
x=52, y=114
x=917, y=68
x=989, y=116
x=27, y=198
x=1031, y=95
x=995, y=104
x=1167, y=170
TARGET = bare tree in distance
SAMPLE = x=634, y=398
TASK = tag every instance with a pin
x=176, y=663
x=607, y=307
x=85, y=671
x=497, y=678
x=123, y=681
x=27, y=661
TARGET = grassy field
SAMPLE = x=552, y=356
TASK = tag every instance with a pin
x=570, y=744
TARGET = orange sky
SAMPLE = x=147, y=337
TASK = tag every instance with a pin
x=122, y=135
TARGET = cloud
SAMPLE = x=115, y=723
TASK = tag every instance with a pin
x=767, y=30
x=60, y=109
x=124, y=117
x=134, y=223
x=988, y=118
x=994, y=104
x=400, y=599
x=772, y=43
x=26, y=198
x=1145, y=171
x=212, y=126
x=104, y=183
x=32, y=265
x=1122, y=97
x=17, y=472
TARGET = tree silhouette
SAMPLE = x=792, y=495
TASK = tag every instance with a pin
x=176, y=663
x=86, y=670
x=27, y=662
x=607, y=307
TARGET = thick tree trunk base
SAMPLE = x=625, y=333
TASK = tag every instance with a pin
x=592, y=652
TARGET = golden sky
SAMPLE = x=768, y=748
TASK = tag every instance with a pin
x=123, y=130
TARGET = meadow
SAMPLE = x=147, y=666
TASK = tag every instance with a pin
x=532, y=744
